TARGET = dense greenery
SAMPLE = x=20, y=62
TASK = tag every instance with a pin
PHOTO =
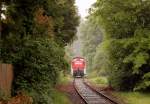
x=134, y=97
x=125, y=50
x=91, y=37
x=33, y=38
x=58, y=97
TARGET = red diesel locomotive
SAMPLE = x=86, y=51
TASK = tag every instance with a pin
x=78, y=67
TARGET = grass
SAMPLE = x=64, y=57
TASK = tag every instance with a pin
x=60, y=98
x=101, y=81
x=64, y=79
x=97, y=79
x=134, y=97
x=3, y=96
x=128, y=97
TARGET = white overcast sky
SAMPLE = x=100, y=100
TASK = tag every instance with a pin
x=83, y=6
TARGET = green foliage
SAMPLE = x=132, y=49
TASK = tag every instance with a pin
x=101, y=61
x=145, y=83
x=36, y=66
x=102, y=81
x=91, y=37
x=134, y=97
x=40, y=62
x=125, y=50
x=58, y=97
x=3, y=96
x=33, y=39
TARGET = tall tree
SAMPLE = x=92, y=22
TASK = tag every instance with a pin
x=91, y=37
x=33, y=39
x=126, y=26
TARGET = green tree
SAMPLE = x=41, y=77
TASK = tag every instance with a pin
x=91, y=37
x=126, y=35
x=32, y=39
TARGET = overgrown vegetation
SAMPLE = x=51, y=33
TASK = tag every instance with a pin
x=33, y=38
x=58, y=97
x=134, y=97
x=91, y=37
x=124, y=53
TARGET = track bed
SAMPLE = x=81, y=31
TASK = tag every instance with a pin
x=89, y=95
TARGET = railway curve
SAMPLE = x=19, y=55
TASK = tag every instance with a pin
x=89, y=95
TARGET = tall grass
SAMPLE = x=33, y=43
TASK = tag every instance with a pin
x=64, y=79
x=59, y=98
x=98, y=79
x=134, y=97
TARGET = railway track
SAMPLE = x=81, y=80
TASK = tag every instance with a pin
x=89, y=95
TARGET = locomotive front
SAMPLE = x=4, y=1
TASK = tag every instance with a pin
x=78, y=67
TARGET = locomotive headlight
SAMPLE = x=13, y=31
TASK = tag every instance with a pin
x=3, y=7
x=3, y=11
x=3, y=17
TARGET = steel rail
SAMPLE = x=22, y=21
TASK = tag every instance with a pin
x=85, y=101
x=85, y=98
x=101, y=94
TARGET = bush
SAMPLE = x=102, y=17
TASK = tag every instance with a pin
x=127, y=57
x=37, y=63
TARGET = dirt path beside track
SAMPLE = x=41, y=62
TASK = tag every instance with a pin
x=70, y=92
